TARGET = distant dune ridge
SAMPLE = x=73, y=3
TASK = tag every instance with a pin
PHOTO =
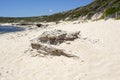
x=98, y=9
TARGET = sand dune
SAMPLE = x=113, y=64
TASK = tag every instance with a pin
x=98, y=48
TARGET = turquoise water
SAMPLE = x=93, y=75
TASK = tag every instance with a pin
x=6, y=29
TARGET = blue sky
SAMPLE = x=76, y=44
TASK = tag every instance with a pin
x=25, y=8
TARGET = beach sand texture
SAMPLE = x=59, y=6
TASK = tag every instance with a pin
x=98, y=48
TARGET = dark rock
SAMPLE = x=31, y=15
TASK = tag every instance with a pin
x=39, y=25
x=57, y=37
x=72, y=36
x=46, y=43
x=50, y=50
x=36, y=46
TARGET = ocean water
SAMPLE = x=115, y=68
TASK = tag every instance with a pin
x=7, y=29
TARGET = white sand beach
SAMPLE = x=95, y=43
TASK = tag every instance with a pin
x=98, y=48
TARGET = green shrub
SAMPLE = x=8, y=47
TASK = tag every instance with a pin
x=111, y=10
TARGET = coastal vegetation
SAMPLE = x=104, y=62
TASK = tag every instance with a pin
x=108, y=8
